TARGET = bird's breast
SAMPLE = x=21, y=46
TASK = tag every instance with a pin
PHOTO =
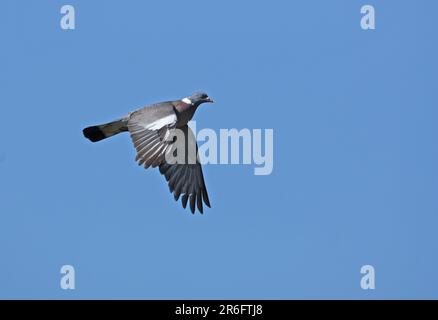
x=185, y=114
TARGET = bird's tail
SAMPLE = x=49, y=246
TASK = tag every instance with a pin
x=103, y=131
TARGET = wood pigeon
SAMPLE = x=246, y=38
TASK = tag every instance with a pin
x=152, y=129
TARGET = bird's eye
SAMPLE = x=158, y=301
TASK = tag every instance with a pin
x=204, y=96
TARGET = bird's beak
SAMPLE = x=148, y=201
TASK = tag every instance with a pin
x=209, y=100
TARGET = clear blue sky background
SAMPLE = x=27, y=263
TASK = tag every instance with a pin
x=355, y=177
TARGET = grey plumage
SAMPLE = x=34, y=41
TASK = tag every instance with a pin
x=153, y=133
x=103, y=131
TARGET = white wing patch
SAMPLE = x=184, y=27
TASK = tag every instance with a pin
x=160, y=123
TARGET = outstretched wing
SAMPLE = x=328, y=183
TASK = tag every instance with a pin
x=186, y=178
x=151, y=130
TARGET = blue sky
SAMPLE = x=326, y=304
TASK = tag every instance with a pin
x=355, y=177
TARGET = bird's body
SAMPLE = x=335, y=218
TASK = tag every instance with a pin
x=153, y=131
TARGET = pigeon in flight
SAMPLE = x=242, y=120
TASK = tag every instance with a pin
x=158, y=132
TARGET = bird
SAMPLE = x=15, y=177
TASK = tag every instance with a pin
x=158, y=132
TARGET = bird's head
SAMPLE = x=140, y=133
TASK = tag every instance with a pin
x=198, y=99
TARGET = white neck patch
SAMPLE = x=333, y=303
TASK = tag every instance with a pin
x=187, y=101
